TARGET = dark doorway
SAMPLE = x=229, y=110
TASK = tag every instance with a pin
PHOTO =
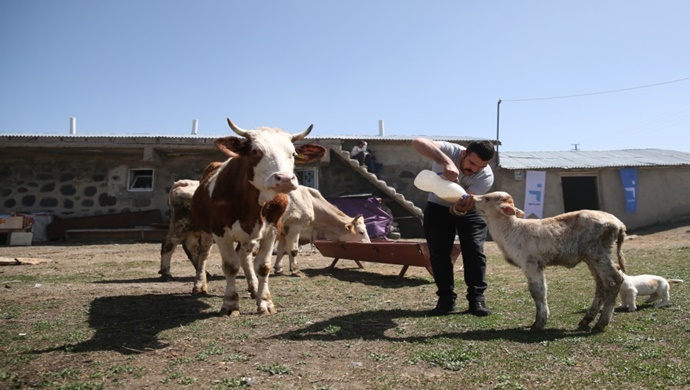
x=580, y=192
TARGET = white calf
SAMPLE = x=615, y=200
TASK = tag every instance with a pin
x=566, y=240
x=309, y=213
x=656, y=287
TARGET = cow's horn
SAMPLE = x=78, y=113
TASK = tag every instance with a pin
x=299, y=136
x=242, y=132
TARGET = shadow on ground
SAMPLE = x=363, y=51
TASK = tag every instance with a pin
x=131, y=324
x=358, y=275
x=374, y=325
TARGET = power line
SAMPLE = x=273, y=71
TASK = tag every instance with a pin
x=596, y=93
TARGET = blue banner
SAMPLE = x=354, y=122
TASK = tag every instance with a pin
x=629, y=178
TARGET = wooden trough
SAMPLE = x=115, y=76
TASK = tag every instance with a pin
x=405, y=253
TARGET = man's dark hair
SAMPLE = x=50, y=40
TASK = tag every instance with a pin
x=483, y=149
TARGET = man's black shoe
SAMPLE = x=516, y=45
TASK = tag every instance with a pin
x=443, y=309
x=479, y=309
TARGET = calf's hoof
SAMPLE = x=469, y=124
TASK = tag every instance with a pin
x=584, y=323
x=598, y=328
x=167, y=278
x=536, y=328
x=267, y=310
x=229, y=312
x=199, y=290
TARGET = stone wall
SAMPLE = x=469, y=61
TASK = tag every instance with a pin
x=81, y=184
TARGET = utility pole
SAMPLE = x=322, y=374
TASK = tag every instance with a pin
x=498, y=121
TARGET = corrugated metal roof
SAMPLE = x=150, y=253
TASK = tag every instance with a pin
x=592, y=159
x=311, y=136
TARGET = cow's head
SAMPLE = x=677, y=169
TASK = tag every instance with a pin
x=270, y=153
x=497, y=203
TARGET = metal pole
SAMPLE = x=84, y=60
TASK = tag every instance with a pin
x=498, y=121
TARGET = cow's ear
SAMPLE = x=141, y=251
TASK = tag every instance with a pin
x=232, y=146
x=309, y=153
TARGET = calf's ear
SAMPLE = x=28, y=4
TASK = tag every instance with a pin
x=309, y=153
x=507, y=209
x=519, y=213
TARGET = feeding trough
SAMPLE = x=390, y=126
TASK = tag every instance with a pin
x=405, y=253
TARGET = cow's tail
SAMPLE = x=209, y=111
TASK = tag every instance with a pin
x=619, y=244
x=673, y=281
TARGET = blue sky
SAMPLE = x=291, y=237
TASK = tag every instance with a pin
x=423, y=67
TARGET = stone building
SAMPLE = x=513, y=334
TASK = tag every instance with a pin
x=76, y=176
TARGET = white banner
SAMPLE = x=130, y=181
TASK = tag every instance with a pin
x=534, y=194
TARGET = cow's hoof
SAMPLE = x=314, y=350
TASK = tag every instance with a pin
x=535, y=328
x=297, y=273
x=278, y=272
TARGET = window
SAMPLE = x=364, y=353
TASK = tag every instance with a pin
x=140, y=180
x=307, y=177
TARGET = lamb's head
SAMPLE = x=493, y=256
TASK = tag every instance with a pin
x=497, y=203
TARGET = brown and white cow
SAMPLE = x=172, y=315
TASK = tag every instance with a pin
x=566, y=240
x=309, y=213
x=232, y=204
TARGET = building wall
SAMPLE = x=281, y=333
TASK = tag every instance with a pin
x=79, y=184
x=662, y=193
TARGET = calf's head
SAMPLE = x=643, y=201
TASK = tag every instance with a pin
x=355, y=231
x=497, y=203
x=270, y=154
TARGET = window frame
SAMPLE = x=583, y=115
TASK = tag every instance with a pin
x=139, y=174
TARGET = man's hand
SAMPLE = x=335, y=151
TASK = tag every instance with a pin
x=465, y=204
x=450, y=172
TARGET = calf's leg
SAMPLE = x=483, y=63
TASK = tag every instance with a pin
x=594, y=308
x=611, y=283
x=537, y=288
x=292, y=239
x=198, y=255
x=281, y=250
x=167, y=249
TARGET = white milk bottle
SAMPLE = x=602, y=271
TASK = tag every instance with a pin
x=430, y=181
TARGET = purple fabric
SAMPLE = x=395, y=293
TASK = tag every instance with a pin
x=376, y=219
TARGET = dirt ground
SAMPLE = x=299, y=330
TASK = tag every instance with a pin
x=662, y=236
x=135, y=275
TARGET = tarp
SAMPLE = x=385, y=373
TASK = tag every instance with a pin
x=376, y=219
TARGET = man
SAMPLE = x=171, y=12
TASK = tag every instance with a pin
x=443, y=220
x=360, y=153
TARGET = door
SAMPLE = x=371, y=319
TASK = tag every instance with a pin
x=580, y=192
